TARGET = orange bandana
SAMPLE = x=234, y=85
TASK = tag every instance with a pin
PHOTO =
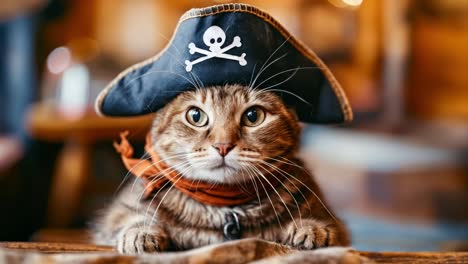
x=157, y=174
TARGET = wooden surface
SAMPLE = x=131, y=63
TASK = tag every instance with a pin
x=247, y=249
x=418, y=257
x=46, y=123
x=50, y=247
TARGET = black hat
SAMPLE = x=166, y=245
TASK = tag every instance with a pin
x=229, y=44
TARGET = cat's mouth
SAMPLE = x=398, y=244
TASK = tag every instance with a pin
x=221, y=165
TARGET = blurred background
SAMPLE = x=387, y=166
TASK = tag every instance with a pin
x=397, y=175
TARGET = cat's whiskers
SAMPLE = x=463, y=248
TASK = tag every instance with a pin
x=249, y=154
x=240, y=183
x=285, y=187
x=267, y=60
x=198, y=184
x=252, y=174
x=155, y=163
x=291, y=93
x=308, y=188
x=267, y=195
x=230, y=172
x=294, y=70
x=251, y=77
x=249, y=179
x=251, y=86
x=138, y=206
x=285, y=161
x=257, y=92
x=159, y=176
x=143, y=159
x=292, y=162
x=288, y=178
x=164, y=196
x=154, y=178
x=277, y=193
x=198, y=80
x=199, y=156
x=213, y=184
x=179, y=174
x=252, y=179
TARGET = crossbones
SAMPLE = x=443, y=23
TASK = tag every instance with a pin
x=214, y=37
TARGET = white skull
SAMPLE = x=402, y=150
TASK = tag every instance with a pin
x=214, y=38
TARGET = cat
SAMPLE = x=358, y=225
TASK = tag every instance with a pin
x=224, y=135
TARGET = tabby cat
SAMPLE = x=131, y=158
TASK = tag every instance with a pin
x=224, y=135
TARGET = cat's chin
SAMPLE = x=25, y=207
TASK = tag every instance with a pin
x=218, y=174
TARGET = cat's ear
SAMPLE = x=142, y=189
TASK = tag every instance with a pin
x=229, y=44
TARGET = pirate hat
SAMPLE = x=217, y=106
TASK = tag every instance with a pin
x=229, y=44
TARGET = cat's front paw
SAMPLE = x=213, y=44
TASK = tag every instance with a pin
x=310, y=235
x=138, y=241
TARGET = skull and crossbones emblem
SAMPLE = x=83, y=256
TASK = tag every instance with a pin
x=214, y=37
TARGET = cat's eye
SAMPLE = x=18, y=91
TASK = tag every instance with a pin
x=253, y=116
x=196, y=117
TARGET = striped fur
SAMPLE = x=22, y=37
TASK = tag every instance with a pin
x=294, y=213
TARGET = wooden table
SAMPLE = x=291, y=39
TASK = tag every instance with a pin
x=241, y=251
x=79, y=134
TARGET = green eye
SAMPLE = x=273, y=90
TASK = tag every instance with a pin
x=253, y=116
x=196, y=117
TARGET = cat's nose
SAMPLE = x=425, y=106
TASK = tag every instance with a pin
x=223, y=148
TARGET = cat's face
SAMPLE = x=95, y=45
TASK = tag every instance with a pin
x=225, y=134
